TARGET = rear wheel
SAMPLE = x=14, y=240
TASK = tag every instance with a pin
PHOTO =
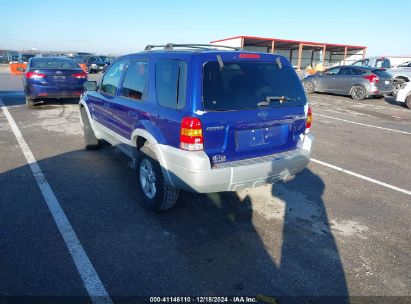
x=358, y=92
x=29, y=102
x=408, y=102
x=91, y=142
x=309, y=87
x=156, y=194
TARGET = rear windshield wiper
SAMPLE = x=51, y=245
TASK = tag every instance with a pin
x=268, y=99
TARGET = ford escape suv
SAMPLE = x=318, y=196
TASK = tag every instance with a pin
x=200, y=119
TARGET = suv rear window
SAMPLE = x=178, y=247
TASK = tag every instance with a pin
x=241, y=85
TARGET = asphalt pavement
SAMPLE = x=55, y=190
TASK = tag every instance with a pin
x=339, y=230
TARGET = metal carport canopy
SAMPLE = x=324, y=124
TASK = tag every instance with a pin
x=286, y=44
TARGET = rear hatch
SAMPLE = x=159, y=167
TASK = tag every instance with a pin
x=68, y=79
x=385, y=82
x=254, y=106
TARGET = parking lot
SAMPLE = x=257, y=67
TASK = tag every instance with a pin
x=341, y=228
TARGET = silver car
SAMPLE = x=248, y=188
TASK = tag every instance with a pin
x=358, y=82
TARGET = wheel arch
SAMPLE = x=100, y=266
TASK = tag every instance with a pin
x=139, y=138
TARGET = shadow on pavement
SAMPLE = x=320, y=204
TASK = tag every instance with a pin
x=210, y=244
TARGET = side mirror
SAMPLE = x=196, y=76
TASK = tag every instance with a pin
x=20, y=69
x=90, y=85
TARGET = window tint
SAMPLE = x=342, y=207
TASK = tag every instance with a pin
x=135, y=80
x=242, y=85
x=347, y=71
x=111, y=78
x=171, y=79
x=351, y=71
x=53, y=63
x=333, y=71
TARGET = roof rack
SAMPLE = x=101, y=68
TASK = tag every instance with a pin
x=172, y=46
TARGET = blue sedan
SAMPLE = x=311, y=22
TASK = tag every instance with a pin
x=52, y=77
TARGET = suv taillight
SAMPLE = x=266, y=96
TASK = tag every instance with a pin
x=191, y=134
x=34, y=75
x=372, y=78
x=80, y=75
x=309, y=120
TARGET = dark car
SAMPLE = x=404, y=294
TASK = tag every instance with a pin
x=52, y=77
x=200, y=119
x=94, y=64
x=359, y=82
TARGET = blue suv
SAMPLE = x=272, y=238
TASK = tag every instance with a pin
x=202, y=119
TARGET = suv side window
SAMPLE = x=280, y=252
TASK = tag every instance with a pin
x=111, y=79
x=135, y=81
x=171, y=81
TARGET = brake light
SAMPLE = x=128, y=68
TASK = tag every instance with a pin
x=191, y=134
x=372, y=78
x=81, y=75
x=309, y=120
x=34, y=75
x=250, y=56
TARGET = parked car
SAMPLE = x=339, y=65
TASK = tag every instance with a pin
x=52, y=77
x=24, y=58
x=94, y=64
x=401, y=74
x=404, y=95
x=406, y=64
x=357, y=81
x=202, y=119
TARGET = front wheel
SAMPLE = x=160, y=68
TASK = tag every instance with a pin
x=156, y=193
x=309, y=87
x=358, y=92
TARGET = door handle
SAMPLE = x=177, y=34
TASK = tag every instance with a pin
x=106, y=104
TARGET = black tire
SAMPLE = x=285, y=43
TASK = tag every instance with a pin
x=309, y=87
x=91, y=142
x=358, y=92
x=30, y=102
x=163, y=197
x=408, y=102
x=398, y=84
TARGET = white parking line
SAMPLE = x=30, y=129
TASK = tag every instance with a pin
x=89, y=276
x=361, y=176
x=363, y=124
x=347, y=101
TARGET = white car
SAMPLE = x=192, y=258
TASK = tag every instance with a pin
x=404, y=95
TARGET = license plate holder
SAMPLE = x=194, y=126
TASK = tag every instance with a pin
x=262, y=137
x=59, y=77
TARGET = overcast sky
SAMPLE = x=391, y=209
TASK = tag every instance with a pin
x=127, y=26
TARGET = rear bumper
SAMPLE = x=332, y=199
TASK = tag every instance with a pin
x=191, y=171
x=36, y=91
x=380, y=90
